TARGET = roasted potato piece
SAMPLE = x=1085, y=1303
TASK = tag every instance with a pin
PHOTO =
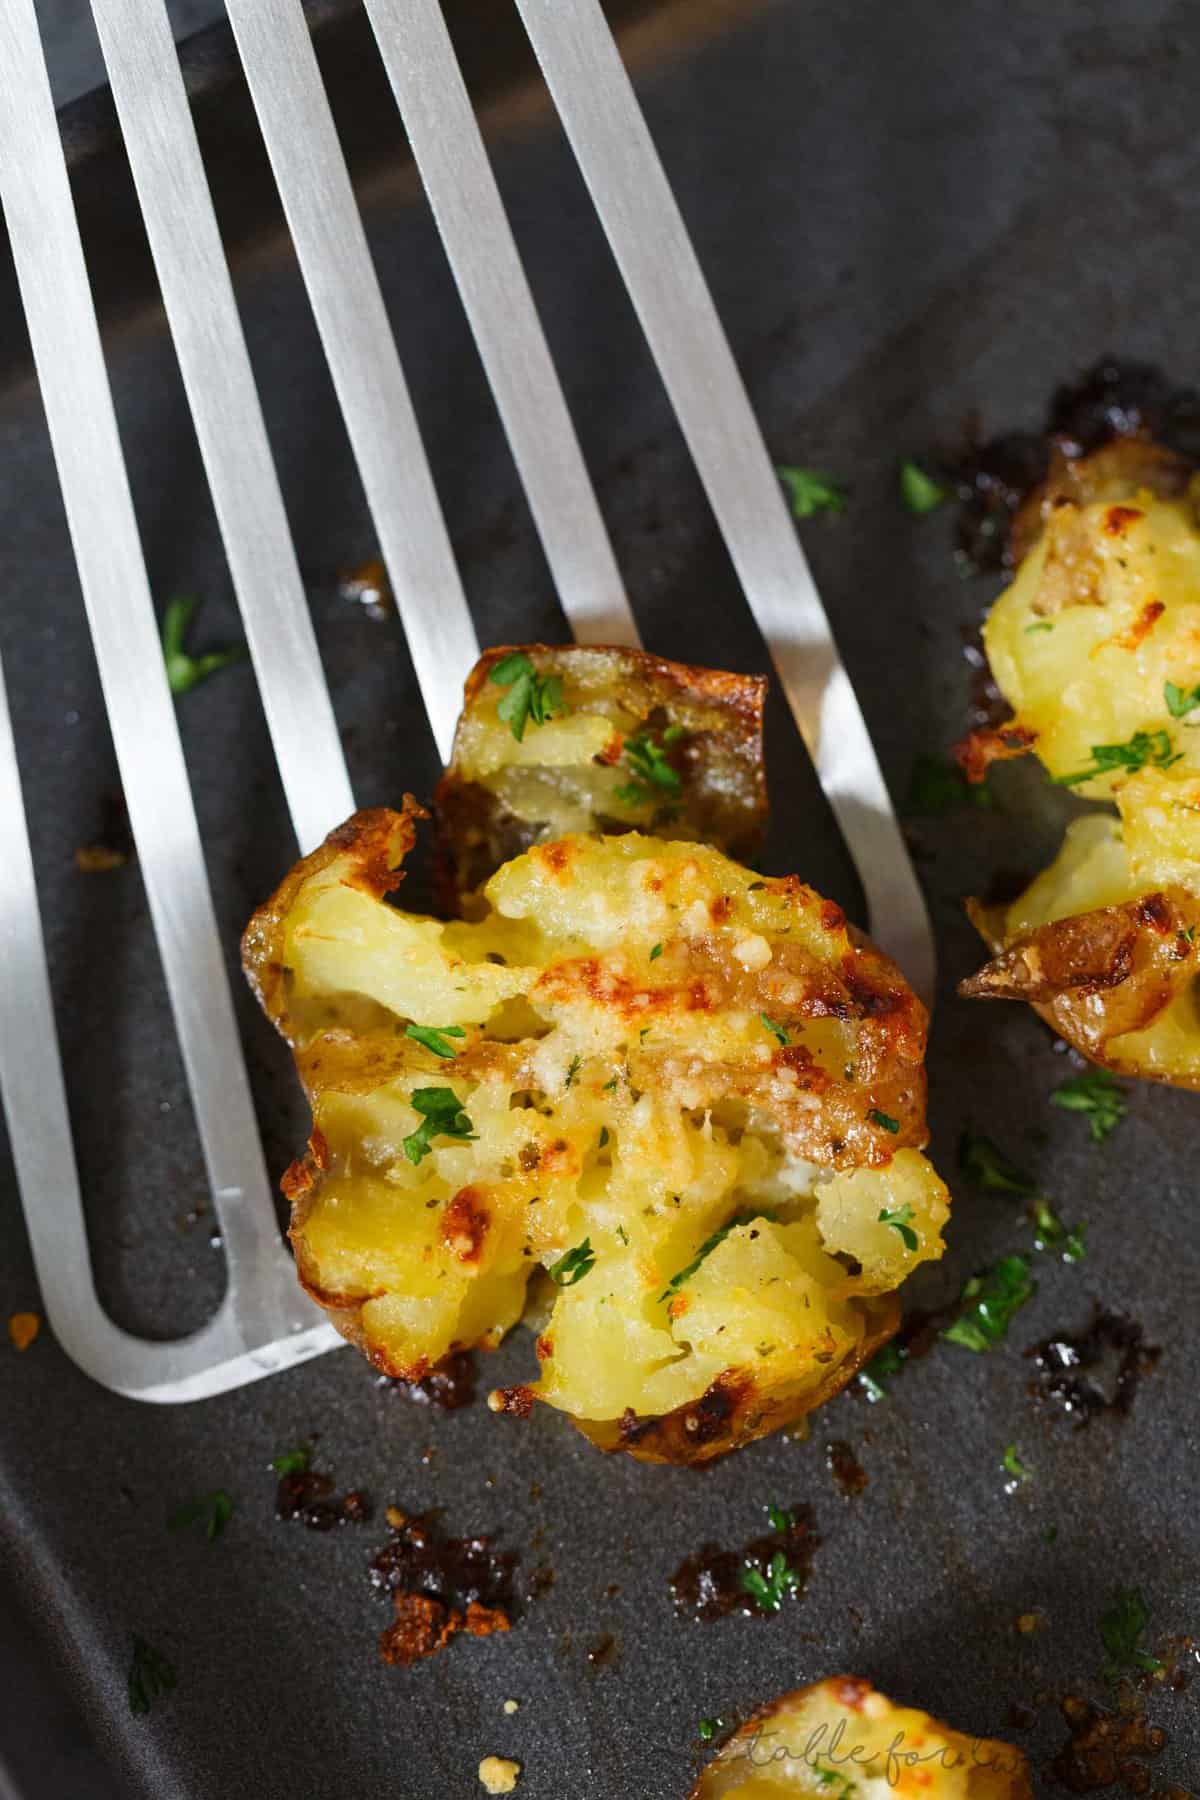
x=1104, y=942
x=555, y=740
x=693, y=1095
x=1096, y=643
x=839, y=1738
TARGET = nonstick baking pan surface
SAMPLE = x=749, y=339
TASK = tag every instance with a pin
x=908, y=215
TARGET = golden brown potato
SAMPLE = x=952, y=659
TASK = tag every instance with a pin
x=842, y=1740
x=1104, y=942
x=692, y=1095
x=570, y=738
x=1097, y=646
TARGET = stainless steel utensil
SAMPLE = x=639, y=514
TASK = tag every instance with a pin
x=264, y=1323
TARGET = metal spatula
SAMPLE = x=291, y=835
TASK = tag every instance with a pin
x=264, y=1322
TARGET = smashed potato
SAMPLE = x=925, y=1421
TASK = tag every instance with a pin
x=693, y=1096
x=841, y=1738
x=557, y=739
x=1097, y=646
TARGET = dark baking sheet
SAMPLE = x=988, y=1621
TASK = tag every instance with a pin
x=906, y=213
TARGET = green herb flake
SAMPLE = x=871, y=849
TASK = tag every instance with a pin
x=809, y=491
x=656, y=953
x=920, y=492
x=441, y=1116
x=573, y=1069
x=435, y=1038
x=1096, y=1094
x=1040, y=626
x=293, y=1462
x=623, y=1235
x=779, y=1518
x=899, y=1222
x=888, y=1361
x=1050, y=1234
x=983, y=1162
x=776, y=1030
x=603, y=1139
x=884, y=1120
x=1014, y=1468
x=1145, y=749
x=1121, y=1628
x=574, y=1265
x=215, y=1511
x=1181, y=701
x=836, y=1781
x=937, y=787
x=707, y=1729
x=150, y=1675
x=706, y=1249
x=529, y=696
x=185, y=671
x=768, y=1590
x=989, y=1303
x=650, y=768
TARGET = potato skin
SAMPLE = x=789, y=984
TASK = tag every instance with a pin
x=841, y=1731
x=616, y=1052
x=500, y=796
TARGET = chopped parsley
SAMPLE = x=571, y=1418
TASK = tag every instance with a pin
x=1050, y=1234
x=706, y=1249
x=774, y=1028
x=215, y=1511
x=650, y=768
x=833, y=1779
x=989, y=1303
x=707, y=1729
x=150, y=1674
x=293, y=1462
x=888, y=1361
x=185, y=671
x=810, y=491
x=921, y=493
x=434, y=1037
x=1152, y=749
x=779, y=1518
x=899, y=1222
x=937, y=787
x=574, y=1265
x=1041, y=625
x=441, y=1116
x=1121, y=1627
x=603, y=1139
x=1014, y=1468
x=623, y=1235
x=984, y=1163
x=656, y=953
x=884, y=1120
x=529, y=696
x=1097, y=1094
x=768, y=1590
x=1181, y=701
x=573, y=1069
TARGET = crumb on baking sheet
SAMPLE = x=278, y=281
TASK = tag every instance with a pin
x=499, y=1774
x=23, y=1327
x=512, y=1706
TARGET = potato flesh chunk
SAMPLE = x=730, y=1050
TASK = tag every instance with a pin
x=624, y=1099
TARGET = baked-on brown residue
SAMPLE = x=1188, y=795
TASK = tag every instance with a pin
x=709, y=1583
x=845, y=1468
x=1099, y=1371
x=1110, y=402
x=308, y=1495
x=1105, y=1749
x=449, y=1384
x=439, y=1586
